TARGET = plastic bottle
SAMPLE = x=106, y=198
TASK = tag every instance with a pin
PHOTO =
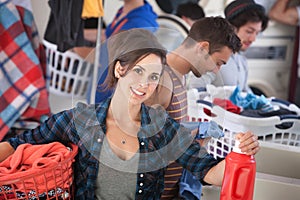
x=239, y=175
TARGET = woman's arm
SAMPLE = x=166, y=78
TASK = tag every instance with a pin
x=281, y=12
x=215, y=175
x=6, y=150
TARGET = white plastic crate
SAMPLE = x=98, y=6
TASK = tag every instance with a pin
x=269, y=129
x=67, y=73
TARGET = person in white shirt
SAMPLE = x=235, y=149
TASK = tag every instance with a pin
x=249, y=19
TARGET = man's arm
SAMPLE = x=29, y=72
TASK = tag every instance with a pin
x=282, y=12
x=5, y=150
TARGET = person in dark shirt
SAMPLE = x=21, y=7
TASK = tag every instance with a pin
x=190, y=12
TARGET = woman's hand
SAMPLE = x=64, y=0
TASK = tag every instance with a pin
x=248, y=143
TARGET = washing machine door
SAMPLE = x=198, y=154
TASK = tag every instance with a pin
x=172, y=31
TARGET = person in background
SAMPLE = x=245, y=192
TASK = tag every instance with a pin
x=133, y=14
x=129, y=153
x=190, y=12
x=207, y=47
x=249, y=19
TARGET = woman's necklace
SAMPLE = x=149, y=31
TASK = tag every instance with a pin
x=123, y=135
x=123, y=141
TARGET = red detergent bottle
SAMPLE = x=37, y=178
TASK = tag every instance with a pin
x=239, y=176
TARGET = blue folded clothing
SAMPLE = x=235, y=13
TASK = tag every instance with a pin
x=205, y=129
x=190, y=187
x=209, y=129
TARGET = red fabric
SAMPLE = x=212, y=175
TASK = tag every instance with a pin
x=227, y=105
x=33, y=160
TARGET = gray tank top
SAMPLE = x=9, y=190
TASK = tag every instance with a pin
x=116, y=177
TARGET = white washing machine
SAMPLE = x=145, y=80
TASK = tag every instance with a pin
x=270, y=60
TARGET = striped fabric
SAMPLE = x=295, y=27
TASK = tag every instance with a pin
x=23, y=94
x=178, y=105
x=178, y=111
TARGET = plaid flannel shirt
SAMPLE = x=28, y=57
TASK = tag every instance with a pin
x=23, y=94
x=161, y=140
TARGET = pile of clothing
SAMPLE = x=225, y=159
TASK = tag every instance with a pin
x=37, y=171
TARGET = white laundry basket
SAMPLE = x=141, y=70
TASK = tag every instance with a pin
x=67, y=73
x=282, y=130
